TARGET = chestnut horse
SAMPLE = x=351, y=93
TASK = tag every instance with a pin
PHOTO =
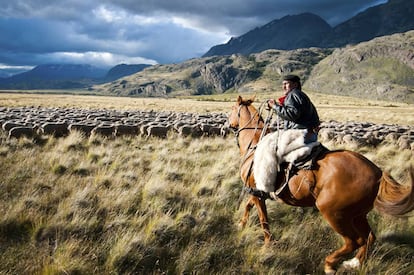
x=344, y=187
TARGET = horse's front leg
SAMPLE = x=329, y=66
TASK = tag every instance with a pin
x=264, y=221
x=248, y=207
x=262, y=212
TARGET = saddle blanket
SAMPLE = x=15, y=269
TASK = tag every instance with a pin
x=275, y=149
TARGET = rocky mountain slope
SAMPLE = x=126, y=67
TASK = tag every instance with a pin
x=381, y=68
x=218, y=74
x=309, y=30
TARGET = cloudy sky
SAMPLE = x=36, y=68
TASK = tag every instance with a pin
x=109, y=32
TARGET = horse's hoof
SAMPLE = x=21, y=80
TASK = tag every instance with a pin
x=273, y=243
x=329, y=270
x=267, y=243
x=352, y=264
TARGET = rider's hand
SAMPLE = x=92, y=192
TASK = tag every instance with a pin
x=271, y=103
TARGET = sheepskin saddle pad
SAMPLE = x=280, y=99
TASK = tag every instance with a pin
x=275, y=149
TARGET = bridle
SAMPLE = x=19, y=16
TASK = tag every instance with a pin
x=237, y=130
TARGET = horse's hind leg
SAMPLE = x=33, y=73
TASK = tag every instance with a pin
x=262, y=212
x=342, y=225
x=365, y=240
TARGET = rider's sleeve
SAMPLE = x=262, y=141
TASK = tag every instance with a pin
x=291, y=109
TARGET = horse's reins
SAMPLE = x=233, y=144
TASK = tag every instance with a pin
x=249, y=149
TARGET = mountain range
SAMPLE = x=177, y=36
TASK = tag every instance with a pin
x=309, y=30
x=67, y=76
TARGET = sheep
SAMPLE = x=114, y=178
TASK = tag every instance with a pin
x=21, y=131
x=104, y=130
x=11, y=124
x=190, y=130
x=86, y=129
x=158, y=131
x=125, y=129
x=57, y=129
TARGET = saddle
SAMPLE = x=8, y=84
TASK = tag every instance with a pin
x=309, y=162
x=288, y=169
x=279, y=156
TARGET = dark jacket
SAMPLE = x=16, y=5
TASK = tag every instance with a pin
x=298, y=111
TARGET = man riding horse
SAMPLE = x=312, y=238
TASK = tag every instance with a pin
x=283, y=151
x=344, y=186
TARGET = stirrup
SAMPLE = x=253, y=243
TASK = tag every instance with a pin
x=287, y=177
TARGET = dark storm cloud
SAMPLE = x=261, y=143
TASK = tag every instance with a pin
x=239, y=16
x=109, y=32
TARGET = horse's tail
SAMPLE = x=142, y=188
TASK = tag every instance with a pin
x=393, y=198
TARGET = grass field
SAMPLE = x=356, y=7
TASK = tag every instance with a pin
x=131, y=205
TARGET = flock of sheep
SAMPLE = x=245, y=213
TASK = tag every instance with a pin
x=31, y=121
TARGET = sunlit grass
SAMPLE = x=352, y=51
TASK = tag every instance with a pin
x=167, y=205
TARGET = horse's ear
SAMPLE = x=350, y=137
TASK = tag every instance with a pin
x=239, y=100
x=251, y=100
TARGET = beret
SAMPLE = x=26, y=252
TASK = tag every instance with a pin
x=292, y=77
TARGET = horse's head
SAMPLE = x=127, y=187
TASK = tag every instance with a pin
x=243, y=114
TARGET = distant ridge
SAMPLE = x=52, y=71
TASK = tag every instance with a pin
x=54, y=76
x=291, y=32
x=67, y=76
x=395, y=16
x=64, y=71
x=122, y=70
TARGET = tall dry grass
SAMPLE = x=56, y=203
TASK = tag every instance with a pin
x=131, y=205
